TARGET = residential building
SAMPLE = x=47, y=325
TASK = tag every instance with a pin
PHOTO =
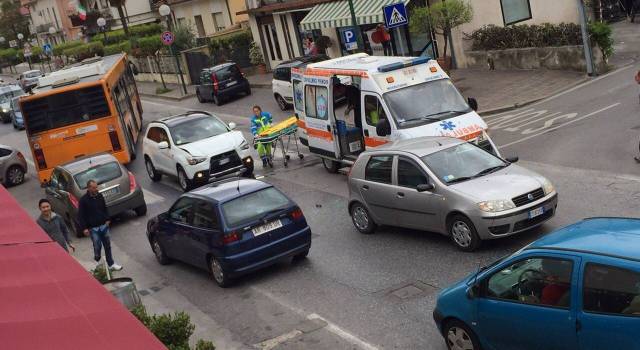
x=136, y=12
x=46, y=14
x=206, y=17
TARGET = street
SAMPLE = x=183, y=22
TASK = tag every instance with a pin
x=378, y=291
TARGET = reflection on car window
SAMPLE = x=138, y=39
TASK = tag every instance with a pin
x=611, y=290
x=539, y=281
x=409, y=175
x=197, y=129
x=253, y=206
x=182, y=211
x=378, y=169
x=461, y=162
x=205, y=216
x=100, y=174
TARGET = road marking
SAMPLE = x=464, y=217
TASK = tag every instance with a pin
x=151, y=197
x=559, y=126
x=274, y=342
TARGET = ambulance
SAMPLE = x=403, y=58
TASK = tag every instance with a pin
x=387, y=99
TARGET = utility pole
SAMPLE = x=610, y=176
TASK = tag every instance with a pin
x=586, y=42
x=354, y=21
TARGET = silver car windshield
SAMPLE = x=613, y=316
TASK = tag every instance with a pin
x=425, y=103
x=100, y=174
x=196, y=130
x=462, y=162
x=253, y=206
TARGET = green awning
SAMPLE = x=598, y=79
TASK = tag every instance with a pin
x=336, y=14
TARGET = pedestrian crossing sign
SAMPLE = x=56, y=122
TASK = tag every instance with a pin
x=395, y=15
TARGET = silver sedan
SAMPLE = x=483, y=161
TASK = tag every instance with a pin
x=448, y=186
x=13, y=166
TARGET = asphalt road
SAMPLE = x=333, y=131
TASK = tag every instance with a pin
x=378, y=291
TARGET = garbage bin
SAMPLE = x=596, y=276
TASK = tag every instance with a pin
x=124, y=290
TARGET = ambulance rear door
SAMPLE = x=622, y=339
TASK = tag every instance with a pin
x=319, y=118
x=298, y=104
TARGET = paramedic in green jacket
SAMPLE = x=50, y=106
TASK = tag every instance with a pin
x=261, y=121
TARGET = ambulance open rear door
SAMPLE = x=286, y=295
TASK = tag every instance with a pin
x=319, y=118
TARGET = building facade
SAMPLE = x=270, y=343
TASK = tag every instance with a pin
x=206, y=17
x=46, y=14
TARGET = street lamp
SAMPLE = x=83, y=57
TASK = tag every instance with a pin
x=165, y=11
x=101, y=22
x=52, y=31
x=20, y=36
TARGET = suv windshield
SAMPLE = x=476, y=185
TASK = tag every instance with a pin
x=439, y=100
x=462, y=162
x=197, y=129
x=33, y=74
x=253, y=206
x=101, y=173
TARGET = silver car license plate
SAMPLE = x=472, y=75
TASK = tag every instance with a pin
x=536, y=212
x=270, y=226
x=110, y=192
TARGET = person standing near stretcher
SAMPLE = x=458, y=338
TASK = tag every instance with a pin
x=261, y=121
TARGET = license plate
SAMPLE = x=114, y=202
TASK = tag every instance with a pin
x=110, y=192
x=224, y=161
x=232, y=83
x=536, y=212
x=267, y=227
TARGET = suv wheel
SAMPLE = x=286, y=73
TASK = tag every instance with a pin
x=154, y=175
x=282, y=103
x=200, y=99
x=161, y=256
x=459, y=337
x=463, y=233
x=183, y=180
x=218, y=273
x=362, y=219
x=14, y=176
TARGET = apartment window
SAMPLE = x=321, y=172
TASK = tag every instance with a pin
x=514, y=11
x=218, y=21
x=199, y=25
x=182, y=21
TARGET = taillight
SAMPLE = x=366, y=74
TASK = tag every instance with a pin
x=230, y=237
x=115, y=142
x=215, y=82
x=37, y=151
x=297, y=214
x=73, y=200
x=132, y=182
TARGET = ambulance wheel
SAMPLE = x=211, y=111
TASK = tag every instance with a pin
x=331, y=165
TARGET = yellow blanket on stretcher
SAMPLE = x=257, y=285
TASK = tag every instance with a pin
x=274, y=129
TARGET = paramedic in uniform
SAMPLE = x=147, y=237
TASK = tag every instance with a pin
x=261, y=121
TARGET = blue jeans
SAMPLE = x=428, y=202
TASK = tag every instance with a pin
x=100, y=237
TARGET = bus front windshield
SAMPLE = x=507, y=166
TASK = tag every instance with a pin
x=425, y=103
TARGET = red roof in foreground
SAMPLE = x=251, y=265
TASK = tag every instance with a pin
x=48, y=301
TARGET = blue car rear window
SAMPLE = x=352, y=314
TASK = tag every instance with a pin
x=253, y=206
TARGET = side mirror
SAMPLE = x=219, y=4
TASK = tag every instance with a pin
x=163, y=145
x=473, y=103
x=383, y=128
x=512, y=159
x=232, y=125
x=425, y=187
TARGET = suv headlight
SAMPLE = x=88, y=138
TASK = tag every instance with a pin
x=547, y=187
x=196, y=160
x=496, y=205
x=244, y=145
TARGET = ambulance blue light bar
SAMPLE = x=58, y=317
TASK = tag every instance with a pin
x=398, y=65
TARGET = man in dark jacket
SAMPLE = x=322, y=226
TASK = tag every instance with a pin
x=94, y=219
x=54, y=225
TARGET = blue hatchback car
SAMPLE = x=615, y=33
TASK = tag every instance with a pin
x=575, y=288
x=231, y=228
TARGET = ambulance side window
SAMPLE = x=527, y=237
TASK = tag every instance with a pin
x=298, y=94
x=316, y=102
x=374, y=112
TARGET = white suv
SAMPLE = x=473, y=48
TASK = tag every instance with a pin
x=196, y=147
x=281, y=83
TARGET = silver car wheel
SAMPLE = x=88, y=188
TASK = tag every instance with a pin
x=360, y=218
x=216, y=270
x=15, y=175
x=458, y=339
x=461, y=233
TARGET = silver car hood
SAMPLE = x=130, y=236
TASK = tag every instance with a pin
x=506, y=183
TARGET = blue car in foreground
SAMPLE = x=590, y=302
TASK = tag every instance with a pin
x=231, y=228
x=575, y=288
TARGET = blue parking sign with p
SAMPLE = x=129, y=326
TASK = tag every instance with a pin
x=350, y=40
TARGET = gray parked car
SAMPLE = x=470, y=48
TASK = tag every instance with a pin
x=13, y=166
x=7, y=93
x=118, y=186
x=447, y=186
x=29, y=79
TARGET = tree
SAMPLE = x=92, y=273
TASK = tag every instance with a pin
x=12, y=21
x=443, y=16
x=150, y=46
x=119, y=4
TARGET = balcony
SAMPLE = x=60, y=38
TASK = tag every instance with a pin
x=44, y=28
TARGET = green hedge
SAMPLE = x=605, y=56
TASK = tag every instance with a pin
x=59, y=49
x=118, y=36
x=233, y=47
x=492, y=37
x=124, y=46
x=85, y=51
x=147, y=46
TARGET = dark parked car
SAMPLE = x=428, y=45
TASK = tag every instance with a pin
x=221, y=82
x=231, y=228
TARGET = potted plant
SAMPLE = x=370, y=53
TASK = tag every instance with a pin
x=443, y=17
x=255, y=56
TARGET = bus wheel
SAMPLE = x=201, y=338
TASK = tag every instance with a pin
x=331, y=165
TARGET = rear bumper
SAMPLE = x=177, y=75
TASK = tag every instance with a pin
x=129, y=202
x=269, y=254
x=234, y=90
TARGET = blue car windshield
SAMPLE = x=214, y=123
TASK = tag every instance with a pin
x=253, y=206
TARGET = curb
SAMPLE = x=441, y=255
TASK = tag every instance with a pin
x=168, y=98
x=260, y=85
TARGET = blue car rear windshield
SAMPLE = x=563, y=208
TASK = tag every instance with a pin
x=253, y=206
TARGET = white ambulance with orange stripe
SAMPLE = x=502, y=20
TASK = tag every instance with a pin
x=391, y=98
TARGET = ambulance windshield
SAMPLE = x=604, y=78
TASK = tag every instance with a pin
x=425, y=103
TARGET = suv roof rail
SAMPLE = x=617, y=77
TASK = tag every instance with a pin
x=196, y=112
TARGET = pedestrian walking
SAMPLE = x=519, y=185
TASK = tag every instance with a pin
x=54, y=225
x=94, y=220
x=261, y=121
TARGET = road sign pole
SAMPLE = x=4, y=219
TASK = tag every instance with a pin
x=354, y=21
x=174, y=52
x=588, y=55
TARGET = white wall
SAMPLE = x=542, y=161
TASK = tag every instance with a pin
x=203, y=8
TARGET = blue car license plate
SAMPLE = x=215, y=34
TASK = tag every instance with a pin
x=536, y=212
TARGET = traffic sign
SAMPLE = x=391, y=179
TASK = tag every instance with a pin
x=13, y=43
x=350, y=39
x=47, y=49
x=395, y=15
x=167, y=38
x=27, y=50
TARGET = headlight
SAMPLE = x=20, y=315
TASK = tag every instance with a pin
x=196, y=160
x=496, y=205
x=244, y=145
x=547, y=187
x=4, y=110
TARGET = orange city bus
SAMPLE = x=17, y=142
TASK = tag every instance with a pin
x=85, y=109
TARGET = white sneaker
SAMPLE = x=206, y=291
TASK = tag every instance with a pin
x=115, y=267
x=99, y=263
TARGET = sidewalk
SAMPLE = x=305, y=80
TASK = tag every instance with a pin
x=148, y=89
